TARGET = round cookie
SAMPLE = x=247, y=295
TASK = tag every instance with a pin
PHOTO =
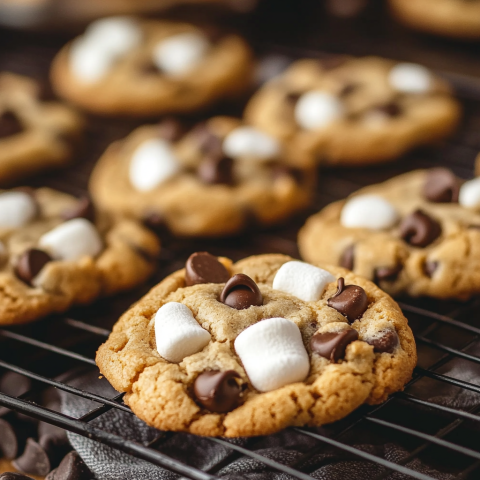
x=210, y=181
x=55, y=252
x=416, y=234
x=451, y=18
x=354, y=111
x=276, y=345
x=34, y=134
x=125, y=66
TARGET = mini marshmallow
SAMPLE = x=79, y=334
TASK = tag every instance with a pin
x=469, y=195
x=302, y=280
x=152, y=163
x=87, y=62
x=368, y=211
x=317, y=109
x=178, y=54
x=16, y=209
x=273, y=354
x=410, y=78
x=250, y=142
x=177, y=333
x=72, y=240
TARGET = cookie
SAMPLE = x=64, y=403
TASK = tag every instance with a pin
x=124, y=66
x=250, y=348
x=416, y=234
x=55, y=252
x=354, y=111
x=34, y=134
x=451, y=18
x=211, y=181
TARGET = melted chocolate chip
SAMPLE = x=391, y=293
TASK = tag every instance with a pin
x=30, y=264
x=201, y=267
x=83, y=209
x=217, y=391
x=241, y=292
x=441, y=186
x=429, y=268
x=148, y=68
x=347, y=260
x=8, y=441
x=34, y=460
x=292, y=97
x=385, y=342
x=348, y=89
x=156, y=222
x=71, y=467
x=387, y=274
x=10, y=124
x=350, y=300
x=391, y=109
x=170, y=129
x=208, y=142
x=332, y=345
x=419, y=230
x=216, y=170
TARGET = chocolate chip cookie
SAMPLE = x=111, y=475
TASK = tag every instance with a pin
x=416, y=234
x=55, y=251
x=212, y=180
x=122, y=65
x=34, y=134
x=355, y=111
x=250, y=348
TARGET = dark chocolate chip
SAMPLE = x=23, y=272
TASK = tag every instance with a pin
x=34, y=460
x=419, y=229
x=241, y=292
x=52, y=434
x=350, y=300
x=292, y=97
x=156, y=221
x=10, y=124
x=217, y=391
x=332, y=345
x=385, y=342
x=170, y=129
x=208, y=142
x=348, y=89
x=30, y=264
x=201, y=267
x=148, y=68
x=430, y=268
x=83, y=209
x=14, y=476
x=71, y=467
x=347, y=260
x=215, y=170
x=55, y=446
x=441, y=186
x=391, y=109
x=8, y=441
x=387, y=274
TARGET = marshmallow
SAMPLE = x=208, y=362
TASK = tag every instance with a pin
x=410, y=78
x=180, y=53
x=368, y=211
x=87, y=62
x=152, y=163
x=302, y=280
x=72, y=240
x=469, y=195
x=177, y=333
x=316, y=109
x=16, y=209
x=273, y=354
x=250, y=142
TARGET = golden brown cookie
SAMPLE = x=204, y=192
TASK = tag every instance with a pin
x=354, y=111
x=280, y=343
x=55, y=252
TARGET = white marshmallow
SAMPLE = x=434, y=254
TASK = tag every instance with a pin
x=178, y=54
x=317, y=109
x=273, y=354
x=72, y=240
x=177, y=333
x=368, y=211
x=16, y=209
x=87, y=62
x=302, y=280
x=250, y=142
x=410, y=78
x=469, y=195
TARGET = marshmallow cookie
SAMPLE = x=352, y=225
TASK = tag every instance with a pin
x=354, y=111
x=210, y=181
x=121, y=65
x=451, y=18
x=254, y=347
x=416, y=234
x=55, y=252
x=34, y=134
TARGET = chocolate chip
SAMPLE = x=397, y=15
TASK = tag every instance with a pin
x=216, y=170
x=217, y=391
x=441, y=186
x=387, y=274
x=14, y=476
x=332, y=345
x=430, y=267
x=71, y=467
x=292, y=97
x=347, y=260
x=55, y=446
x=34, y=460
x=83, y=209
x=52, y=434
x=8, y=441
x=350, y=300
x=348, y=89
x=201, y=267
x=30, y=264
x=148, y=68
x=156, y=221
x=385, y=342
x=170, y=129
x=391, y=109
x=10, y=124
x=241, y=292
x=419, y=230
x=14, y=384
x=208, y=142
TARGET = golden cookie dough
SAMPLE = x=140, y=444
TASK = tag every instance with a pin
x=160, y=392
